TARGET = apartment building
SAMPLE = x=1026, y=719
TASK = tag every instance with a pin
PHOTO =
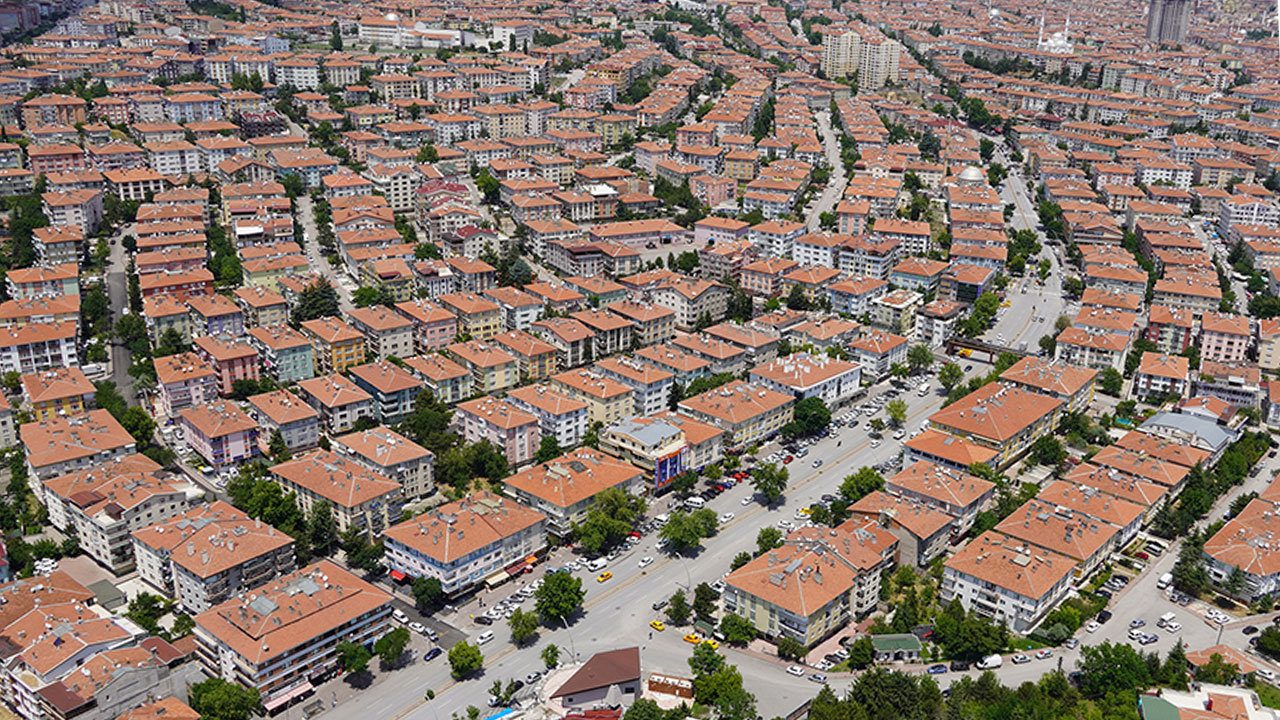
x=392, y=455
x=340, y=402
x=813, y=585
x=359, y=497
x=184, y=380
x=63, y=445
x=210, y=554
x=1003, y=578
x=482, y=539
x=559, y=415
x=387, y=333
x=748, y=413
x=281, y=411
x=221, y=433
x=393, y=389
x=57, y=392
x=1002, y=418
x=283, y=637
x=335, y=344
x=285, y=353
x=563, y=489
x=446, y=380
x=513, y=432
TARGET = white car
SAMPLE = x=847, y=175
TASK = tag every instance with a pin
x=399, y=615
x=1093, y=626
x=875, y=443
x=746, y=500
x=646, y=562
x=418, y=628
x=795, y=670
x=726, y=517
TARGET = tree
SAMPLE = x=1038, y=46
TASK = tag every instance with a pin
x=218, y=699
x=798, y=300
x=322, y=528
x=428, y=593
x=705, y=660
x=704, y=601
x=1269, y=641
x=685, y=531
x=919, y=357
x=559, y=596
x=862, y=653
x=810, y=417
x=896, y=409
x=611, y=517
x=549, y=449
x=171, y=343
x=644, y=709
x=1111, y=667
x=770, y=480
x=678, y=610
x=736, y=629
x=791, y=649
x=353, y=657
x=1111, y=382
x=860, y=484
x=1048, y=451
x=767, y=539
x=950, y=375
x=391, y=646
x=316, y=301
x=335, y=37
x=551, y=656
x=465, y=658
x=524, y=626
x=1218, y=671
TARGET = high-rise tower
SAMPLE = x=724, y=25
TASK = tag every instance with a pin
x=1167, y=21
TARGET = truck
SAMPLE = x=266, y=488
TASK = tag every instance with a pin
x=1165, y=581
x=990, y=662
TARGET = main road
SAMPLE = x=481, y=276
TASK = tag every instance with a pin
x=1033, y=308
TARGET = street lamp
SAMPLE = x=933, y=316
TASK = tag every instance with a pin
x=572, y=648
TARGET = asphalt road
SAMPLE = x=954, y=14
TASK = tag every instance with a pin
x=339, y=280
x=1033, y=308
x=830, y=196
x=118, y=296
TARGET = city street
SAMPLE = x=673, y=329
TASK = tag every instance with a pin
x=1033, y=308
x=831, y=195
x=118, y=297
x=311, y=236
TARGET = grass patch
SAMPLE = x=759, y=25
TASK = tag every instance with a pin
x=1268, y=694
x=1026, y=644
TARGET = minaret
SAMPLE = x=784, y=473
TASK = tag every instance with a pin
x=1040, y=38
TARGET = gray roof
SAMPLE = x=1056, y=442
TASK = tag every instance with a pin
x=1208, y=434
x=647, y=433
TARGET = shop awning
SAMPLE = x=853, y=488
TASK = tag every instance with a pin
x=296, y=692
x=497, y=578
x=398, y=576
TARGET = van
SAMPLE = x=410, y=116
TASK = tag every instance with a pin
x=597, y=565
x=1165, y=619
x=1137, y=633
x=484, y=637
x=695, y=503
x=990, y=662
x=1164, y=581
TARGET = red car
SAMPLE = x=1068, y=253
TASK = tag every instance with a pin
x=788, y=459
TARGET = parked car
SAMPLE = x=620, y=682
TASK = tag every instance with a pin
x=432, y=654
x=937, y=669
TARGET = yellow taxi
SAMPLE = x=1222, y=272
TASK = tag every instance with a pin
x=604, y=576
x=657, y=625
x=692, y=639
x=714, y=645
